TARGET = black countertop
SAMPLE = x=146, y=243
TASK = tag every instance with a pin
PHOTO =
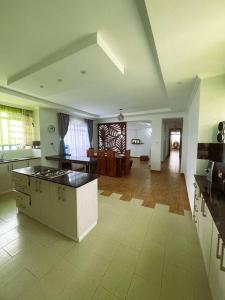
x=215, y=201
x=72, y=158
x=9, y=160
x=73, y=179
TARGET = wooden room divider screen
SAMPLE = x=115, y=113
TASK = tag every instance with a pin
x=112, y=136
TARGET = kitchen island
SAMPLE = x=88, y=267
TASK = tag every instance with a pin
x=63, y=200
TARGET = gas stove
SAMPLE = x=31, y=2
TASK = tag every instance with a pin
x=51, y=173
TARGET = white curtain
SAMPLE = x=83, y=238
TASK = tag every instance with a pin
x=77, y=137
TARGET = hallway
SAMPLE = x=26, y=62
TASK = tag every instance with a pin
x=165, y=187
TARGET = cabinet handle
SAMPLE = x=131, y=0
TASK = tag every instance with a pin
x=59, y=196
x=222, y=267
x=203, y=208
x=218, y=246
x=195, y=221
x=195, y=185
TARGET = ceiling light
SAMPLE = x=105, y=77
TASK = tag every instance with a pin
x=41, y=86
x=60, y=80
x=120, y=117
x=83, y=72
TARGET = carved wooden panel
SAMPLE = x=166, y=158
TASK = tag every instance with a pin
x=112, y=136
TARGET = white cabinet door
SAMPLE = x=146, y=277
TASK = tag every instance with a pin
x=197, y=207
x=34, y=162
x=5, y=177
x=205, y=233
x=35, y=198
x=68, y=212
x=64, y=209
x=45, y=198
x=216, y=275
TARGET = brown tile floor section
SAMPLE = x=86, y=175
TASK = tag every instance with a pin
x=167, y=187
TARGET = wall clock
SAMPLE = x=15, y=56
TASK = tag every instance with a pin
x=51, y=128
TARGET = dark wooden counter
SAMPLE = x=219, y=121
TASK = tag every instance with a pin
x=88, y=162
x=9, y=160
x=215, y=201
x=73, y=179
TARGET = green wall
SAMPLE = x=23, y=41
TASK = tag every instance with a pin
x=211, y=112
x=212, y=108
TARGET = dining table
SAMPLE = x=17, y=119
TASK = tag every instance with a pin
x=88, y=162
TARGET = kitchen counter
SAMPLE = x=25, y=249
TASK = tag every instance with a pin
x=72, y=179
x=71, y=158
x=67, y=203
x=4, y=161
x=88, y=162
x=215, y=201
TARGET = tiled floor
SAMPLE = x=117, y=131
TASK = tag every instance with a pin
x=134, y=253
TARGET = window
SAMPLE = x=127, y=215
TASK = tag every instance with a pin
x=77, y=137
x=16, y=128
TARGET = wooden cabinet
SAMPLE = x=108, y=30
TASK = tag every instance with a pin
x=5, y=177
x=217, y=267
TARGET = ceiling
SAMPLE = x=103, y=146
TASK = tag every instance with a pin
x=99, y=56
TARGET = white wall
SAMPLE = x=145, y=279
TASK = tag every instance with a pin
x=20, y=153
x=142, y=132
x=190, y=143
x=156, y=140
x=48, y=117
x=167, y=125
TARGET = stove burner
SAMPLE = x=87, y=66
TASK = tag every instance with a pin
x=51, y=173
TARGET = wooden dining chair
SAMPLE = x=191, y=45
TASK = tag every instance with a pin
x=101, y=162
x=111, y=167
x=90, y=152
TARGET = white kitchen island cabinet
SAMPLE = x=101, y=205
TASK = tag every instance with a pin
x=69, y=207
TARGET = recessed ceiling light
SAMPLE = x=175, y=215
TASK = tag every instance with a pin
x=60, y=80
x=41, y=86
x=83, y=72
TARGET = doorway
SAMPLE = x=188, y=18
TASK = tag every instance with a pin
x=175, y=140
